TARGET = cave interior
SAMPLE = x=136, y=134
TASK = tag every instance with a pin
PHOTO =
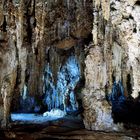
x=69, y=65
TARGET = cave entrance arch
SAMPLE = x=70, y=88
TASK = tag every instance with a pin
x=63, y=80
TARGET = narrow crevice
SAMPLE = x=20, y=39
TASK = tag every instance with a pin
x=4, y=26
x=129, y=85
x=113, y=77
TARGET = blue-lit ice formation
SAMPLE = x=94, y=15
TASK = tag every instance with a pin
x=56, y=96
x=61, y=95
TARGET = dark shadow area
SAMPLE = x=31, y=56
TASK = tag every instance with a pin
x=42, y=131
x=128, y=83
x=124, y=109
x=60, y=99
x=137, y=3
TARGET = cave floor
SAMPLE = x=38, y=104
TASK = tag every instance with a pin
x=64, y=128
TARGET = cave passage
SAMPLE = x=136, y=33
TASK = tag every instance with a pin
x=124, y=109
x=58, y=100
x=46, y=57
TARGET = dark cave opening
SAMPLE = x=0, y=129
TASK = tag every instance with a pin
x=125, y=109
x=128, y=83
x=60, y=98
x=65, y=70
x=65, y=67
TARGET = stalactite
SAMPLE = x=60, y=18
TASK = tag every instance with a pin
x=106, y=9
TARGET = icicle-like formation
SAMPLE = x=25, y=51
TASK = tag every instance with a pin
x=62, y=95
x=24, y=96
x=68, y=4
x=84, y=3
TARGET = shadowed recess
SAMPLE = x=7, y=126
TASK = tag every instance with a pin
x=124, y=109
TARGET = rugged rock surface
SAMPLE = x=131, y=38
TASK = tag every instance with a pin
x=35, y=33
x=114, y=56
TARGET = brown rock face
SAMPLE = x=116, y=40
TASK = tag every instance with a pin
x=66, y=44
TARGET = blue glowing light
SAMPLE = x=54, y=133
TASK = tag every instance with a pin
x=35, y=118
x=56, y=96
x=62, y=94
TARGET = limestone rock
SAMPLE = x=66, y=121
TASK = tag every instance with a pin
x=114, y=56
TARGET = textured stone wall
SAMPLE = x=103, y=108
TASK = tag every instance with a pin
x=114, y=54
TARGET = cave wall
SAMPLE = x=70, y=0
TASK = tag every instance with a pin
x=113, y=55
x=33, y=33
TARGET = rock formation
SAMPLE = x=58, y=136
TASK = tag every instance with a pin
x=102, y=36
x=113, y=56
x=32, y=34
